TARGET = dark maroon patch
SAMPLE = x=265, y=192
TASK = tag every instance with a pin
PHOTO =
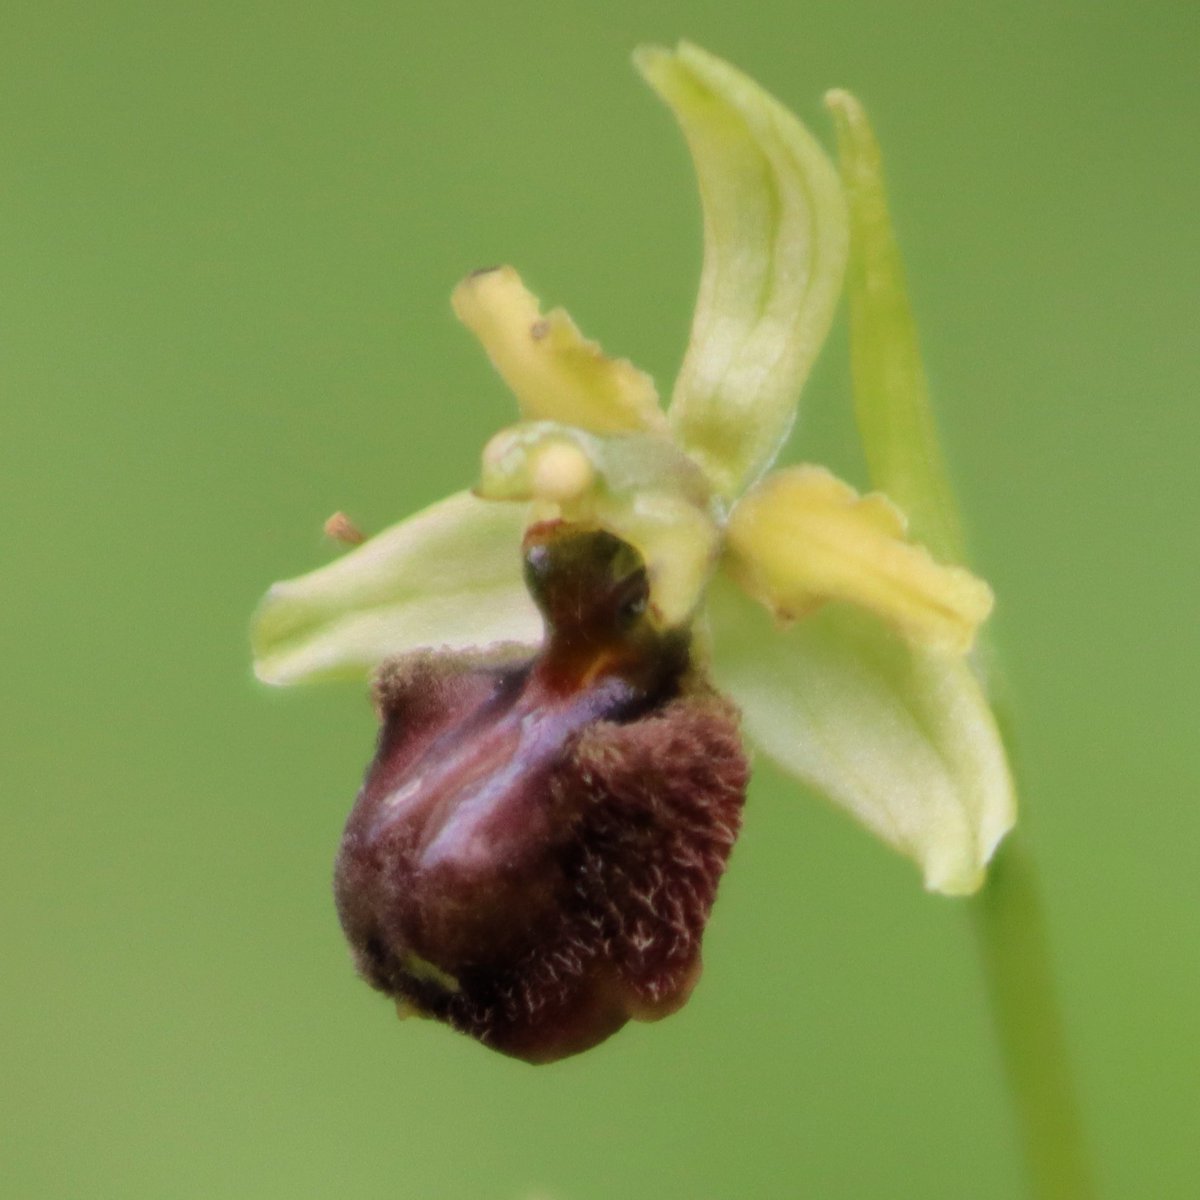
x=536, y=848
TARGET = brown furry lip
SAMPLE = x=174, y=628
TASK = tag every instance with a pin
x=535, y=851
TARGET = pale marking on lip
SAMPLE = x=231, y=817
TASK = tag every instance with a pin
x=406, y=792
x=426, y=972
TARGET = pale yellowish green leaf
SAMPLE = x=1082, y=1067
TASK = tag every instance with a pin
x=774, y=254
x=900, y=736
x=555, y=372
x=448, y=576
x=802, y=537
x=639, y=487
x=891, y=394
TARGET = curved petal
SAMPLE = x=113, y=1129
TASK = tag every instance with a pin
x=774, y=253
x=555, y=372
x=899, y=736
x=449, y=576
x=891, y=394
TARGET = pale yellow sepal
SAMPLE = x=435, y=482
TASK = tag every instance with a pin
x=897, y=734
x=555, y=372
x=449, y=576
x=803, y=537
x=775, y=242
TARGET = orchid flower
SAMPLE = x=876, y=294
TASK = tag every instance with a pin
x=840, y=623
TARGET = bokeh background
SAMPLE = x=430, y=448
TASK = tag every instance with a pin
x=228, y=232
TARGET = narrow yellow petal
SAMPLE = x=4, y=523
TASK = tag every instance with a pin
x=554, y=371
x=803, y=537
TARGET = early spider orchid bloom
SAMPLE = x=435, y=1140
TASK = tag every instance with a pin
x=568, y=657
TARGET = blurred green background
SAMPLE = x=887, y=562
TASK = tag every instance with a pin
x=228, y=233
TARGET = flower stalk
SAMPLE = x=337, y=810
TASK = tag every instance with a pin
x=1014, y=948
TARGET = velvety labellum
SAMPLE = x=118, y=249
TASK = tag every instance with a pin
x=536, y=848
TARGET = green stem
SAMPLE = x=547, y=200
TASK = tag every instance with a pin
x=1013, y=944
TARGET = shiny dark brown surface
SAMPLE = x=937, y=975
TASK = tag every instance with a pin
x=537, y=845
